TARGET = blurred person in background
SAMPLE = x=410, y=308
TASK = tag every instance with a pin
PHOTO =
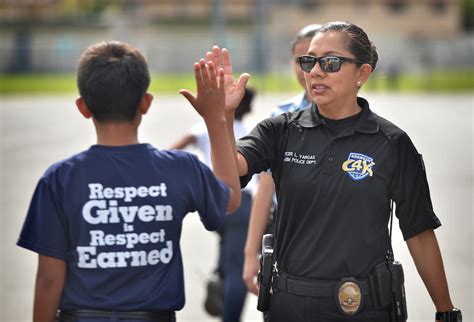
x=226, y=291
x=106, y=222
x=261, y=218
x=338, y=168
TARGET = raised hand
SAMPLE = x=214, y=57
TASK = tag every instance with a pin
x=209, y=101
x=234, y=90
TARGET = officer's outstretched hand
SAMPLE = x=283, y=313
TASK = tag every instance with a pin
x=234, y=90
x=250, y=272
x=210, y=99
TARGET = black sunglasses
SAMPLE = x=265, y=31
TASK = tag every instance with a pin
x=329, y=64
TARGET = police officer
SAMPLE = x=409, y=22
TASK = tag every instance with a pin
x=336, y=168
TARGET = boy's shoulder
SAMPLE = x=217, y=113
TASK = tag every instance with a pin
x=98, y=158
x=95, y=157
x=64, y=164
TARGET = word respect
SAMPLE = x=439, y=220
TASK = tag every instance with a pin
x=99, y=210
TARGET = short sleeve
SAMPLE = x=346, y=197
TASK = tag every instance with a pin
x=211, y=195
x=411, y=192
x=44, y=230
x=259, y=147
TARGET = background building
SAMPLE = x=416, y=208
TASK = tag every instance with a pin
x=49, y=35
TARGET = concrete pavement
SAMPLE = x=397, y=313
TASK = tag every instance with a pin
x=37, y=131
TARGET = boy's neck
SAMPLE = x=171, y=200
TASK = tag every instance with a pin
x=116, y=134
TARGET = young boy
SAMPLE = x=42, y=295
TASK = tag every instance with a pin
x=106, y=222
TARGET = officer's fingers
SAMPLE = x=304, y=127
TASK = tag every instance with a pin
x=216, y=56
x=250, y=281
x=226, y=62
x=252, y=287
x=210, y=57
x=243, y=79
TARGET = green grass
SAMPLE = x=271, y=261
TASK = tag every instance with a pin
x=439, y=81
x=436, y=81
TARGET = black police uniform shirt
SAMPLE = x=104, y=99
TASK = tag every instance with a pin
x=114, y=215
x=334, y=181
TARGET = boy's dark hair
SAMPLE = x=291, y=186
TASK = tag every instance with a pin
x=112, y=78
x=245, y=104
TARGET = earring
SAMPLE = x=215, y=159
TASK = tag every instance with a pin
x=358, y=83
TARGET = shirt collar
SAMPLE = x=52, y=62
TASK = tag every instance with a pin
x=303, y=101
x=367, y=122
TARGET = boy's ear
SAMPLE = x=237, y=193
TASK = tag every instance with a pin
x=145, y=103
x=82, y=107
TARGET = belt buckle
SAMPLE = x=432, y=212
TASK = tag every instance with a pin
x=349, y=297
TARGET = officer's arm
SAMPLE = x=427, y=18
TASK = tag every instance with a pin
x=427, y=257
x=257, y=225
x=49, y=287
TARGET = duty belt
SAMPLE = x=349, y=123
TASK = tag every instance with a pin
x=350, y=294
x=313, y=288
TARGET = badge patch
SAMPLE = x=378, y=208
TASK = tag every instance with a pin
x=358, y=166
x=349, y=297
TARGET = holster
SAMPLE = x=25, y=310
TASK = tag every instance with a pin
x=387, y=283
x=265, y=274
x=399, y=303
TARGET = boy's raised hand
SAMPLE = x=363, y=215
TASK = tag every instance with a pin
x=210, y=98
x=234, y=90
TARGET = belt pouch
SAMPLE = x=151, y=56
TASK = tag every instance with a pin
x=382, y=284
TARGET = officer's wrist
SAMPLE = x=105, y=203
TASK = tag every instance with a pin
x=444, y=308
x=251, y=253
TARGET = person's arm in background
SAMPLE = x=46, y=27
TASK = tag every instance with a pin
x=209, y=102
x=426, y=254
x=183, y=142
x=49, y=287
x=259, y=215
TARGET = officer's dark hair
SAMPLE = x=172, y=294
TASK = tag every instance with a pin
x=358, y=42
x=112, y=78
x=245, y=105
x=306, y=32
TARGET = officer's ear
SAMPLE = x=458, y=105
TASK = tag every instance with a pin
x=82, y=107
x=364, y=72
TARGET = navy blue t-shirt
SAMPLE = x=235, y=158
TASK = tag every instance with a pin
x=114, y=215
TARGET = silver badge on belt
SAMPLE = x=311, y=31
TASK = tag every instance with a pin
x=349, y=296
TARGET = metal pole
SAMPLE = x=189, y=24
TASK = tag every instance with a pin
x=218, y=23
x=260, y=45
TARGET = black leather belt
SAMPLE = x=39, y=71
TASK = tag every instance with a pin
x=310, y=287
x=158, y=316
